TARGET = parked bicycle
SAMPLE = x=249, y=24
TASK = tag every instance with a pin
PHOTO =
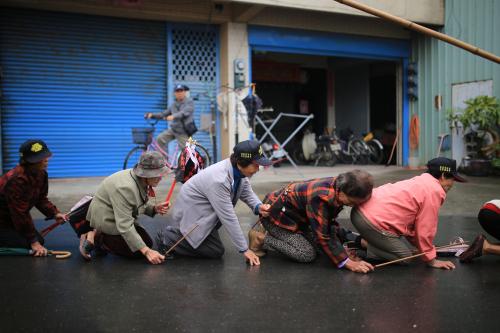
x=143, y=137
x=328, y=149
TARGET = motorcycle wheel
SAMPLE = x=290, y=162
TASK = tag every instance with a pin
x=376, y=154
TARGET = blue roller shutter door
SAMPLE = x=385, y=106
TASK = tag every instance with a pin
x=80, y=83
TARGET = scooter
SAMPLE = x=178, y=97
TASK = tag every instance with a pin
x=275, y=153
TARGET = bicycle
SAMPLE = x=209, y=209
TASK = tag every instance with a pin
x=144, y=139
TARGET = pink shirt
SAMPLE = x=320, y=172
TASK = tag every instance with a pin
x=408, y=208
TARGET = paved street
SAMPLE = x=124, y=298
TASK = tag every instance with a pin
x=112, y=294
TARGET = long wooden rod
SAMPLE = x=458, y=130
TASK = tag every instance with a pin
x=419, y=28
x=415, y=255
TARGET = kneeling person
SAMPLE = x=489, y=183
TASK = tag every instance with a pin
x=407, y=211
x=206, y=202
x=22, y=188
x=115, y=208
x=312, y=206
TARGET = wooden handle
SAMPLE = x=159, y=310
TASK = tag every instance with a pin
x=60, y=254
x=393, y=148
x=180, y=240
x=415, y=255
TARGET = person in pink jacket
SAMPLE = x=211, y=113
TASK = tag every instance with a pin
x=402, y=216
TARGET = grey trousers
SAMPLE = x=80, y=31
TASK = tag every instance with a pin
x=381, y=244
x=168, y=135
x=211, y=247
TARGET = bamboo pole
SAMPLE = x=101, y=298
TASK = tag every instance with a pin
x=419, y=28
x=415, y=255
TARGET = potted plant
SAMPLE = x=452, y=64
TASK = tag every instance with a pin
x=481, y=121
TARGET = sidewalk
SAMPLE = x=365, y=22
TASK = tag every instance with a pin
x=66, y=192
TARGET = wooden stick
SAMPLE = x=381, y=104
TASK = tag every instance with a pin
x=180, y=240
x=393, y=147
x=415, y=255
x=419, y=28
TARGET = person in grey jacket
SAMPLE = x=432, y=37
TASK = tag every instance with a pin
x=180, y=112
x=206, y=202
x=116, y=206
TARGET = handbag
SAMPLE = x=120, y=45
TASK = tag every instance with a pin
x=190, y=128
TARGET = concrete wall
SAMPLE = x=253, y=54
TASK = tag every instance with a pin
x=234, y=45
x=352, y=98
x=423, y=11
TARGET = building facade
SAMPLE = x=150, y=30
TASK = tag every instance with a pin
x=80, y=74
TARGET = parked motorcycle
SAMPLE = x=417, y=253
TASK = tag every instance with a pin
x=275, y=153
x=376, y=149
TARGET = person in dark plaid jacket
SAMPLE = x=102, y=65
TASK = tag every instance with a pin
x=302, y=218
x=21, y=189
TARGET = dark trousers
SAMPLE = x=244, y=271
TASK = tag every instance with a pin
x=12, y=238
x=490, y=221
x=211, y=247
x=115, y=244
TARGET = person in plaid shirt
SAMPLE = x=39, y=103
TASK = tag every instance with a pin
x=22, y=188
x=302, y=217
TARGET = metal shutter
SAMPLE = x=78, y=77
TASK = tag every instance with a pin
x=80, y=83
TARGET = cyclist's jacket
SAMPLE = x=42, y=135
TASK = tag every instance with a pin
x=20, y=190
x=183, y=113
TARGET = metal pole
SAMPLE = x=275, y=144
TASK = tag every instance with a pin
x=419, y=28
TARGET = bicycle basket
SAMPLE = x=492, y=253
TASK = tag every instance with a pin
x=142, y=135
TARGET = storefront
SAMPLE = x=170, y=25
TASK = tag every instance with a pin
x=81, y=82
x=346, y=81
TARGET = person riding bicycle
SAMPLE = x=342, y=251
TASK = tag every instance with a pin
x=178, y=113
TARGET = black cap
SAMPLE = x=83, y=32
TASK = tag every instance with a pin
x=179, y=87
x=252, y=151
x=34, y=150
x=443, y=164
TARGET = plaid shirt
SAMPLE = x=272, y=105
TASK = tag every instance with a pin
x=310, y=204
x=21, y=190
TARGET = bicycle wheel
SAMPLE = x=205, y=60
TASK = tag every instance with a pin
x=133, y=157
x=204, y=154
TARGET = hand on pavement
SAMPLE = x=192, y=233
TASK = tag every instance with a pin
x=441, y=264
x=154, y=257
x=251, y=258
x=358, y=266
x=38, y=250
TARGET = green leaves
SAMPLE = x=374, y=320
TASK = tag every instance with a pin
x=483, y=111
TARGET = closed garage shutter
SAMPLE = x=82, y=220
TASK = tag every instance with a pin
x=80, y=83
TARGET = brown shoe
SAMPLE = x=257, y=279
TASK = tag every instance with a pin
x=474, y=251
x=256, y=240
